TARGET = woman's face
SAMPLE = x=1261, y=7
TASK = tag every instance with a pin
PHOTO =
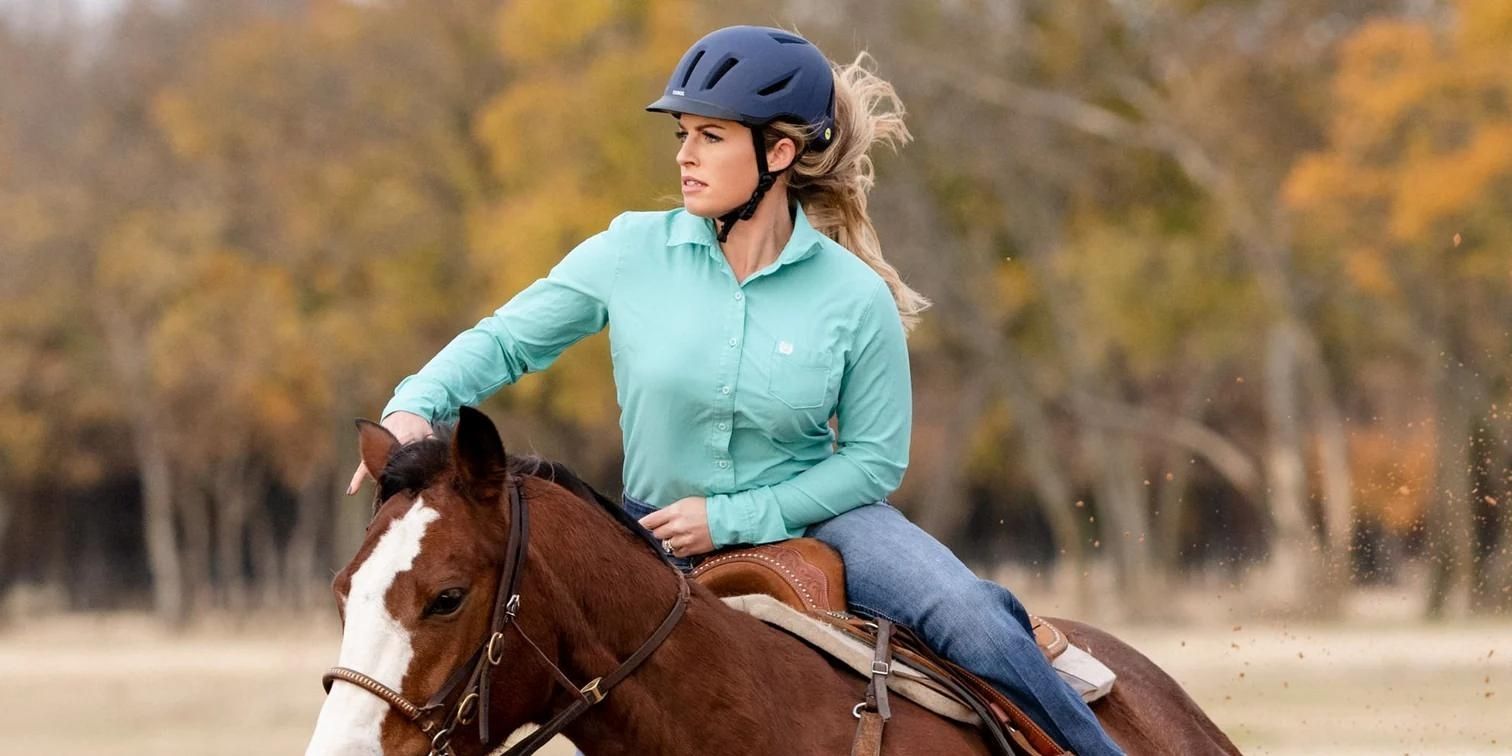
x=718, y=164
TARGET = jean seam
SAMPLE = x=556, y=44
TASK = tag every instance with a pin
x=875, y=613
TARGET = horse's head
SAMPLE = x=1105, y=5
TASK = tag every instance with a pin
x=418, y=599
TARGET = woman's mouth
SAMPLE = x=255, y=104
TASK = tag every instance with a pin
x=690, y=185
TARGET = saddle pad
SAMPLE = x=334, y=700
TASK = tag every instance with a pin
x=904, y=680
x=1090, y=678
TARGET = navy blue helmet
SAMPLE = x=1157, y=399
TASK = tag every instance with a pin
x=755, y=75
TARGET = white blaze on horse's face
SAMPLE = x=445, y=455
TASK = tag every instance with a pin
x=373, y=642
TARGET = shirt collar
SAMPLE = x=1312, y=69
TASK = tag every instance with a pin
x=688, y=228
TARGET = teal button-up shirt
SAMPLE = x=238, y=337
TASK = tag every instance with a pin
x=725, y=387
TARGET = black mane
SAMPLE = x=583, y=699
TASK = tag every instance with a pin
x=415, y=466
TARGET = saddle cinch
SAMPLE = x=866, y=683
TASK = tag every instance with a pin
x=799, y=586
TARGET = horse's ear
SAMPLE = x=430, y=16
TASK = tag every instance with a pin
x=478, y=454
x=375, y=444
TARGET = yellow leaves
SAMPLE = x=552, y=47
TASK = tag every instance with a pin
x=1386, y=68
x=1435, y=187
x=1016, y=288
x=1486, y=24
x=534, y=32
x=1420, y=149
x=181, y=125
x=1366, y=269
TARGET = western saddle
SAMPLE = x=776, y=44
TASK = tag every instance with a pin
x=808, y=576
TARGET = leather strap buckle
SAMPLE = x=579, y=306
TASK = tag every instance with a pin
x=441, y=743
x=591, y=692
x=881, y=668
x=467, y=709
x=493, y=642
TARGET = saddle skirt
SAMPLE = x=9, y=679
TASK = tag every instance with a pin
x=799, y=587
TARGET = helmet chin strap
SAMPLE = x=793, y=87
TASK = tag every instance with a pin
x=766, y=178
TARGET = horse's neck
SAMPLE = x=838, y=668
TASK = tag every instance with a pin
x=720, y=680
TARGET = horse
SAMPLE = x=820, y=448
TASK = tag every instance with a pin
x=490, y=586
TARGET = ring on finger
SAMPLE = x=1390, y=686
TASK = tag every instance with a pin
x=667, y=545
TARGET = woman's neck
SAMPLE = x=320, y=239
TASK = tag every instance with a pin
x=756, y=243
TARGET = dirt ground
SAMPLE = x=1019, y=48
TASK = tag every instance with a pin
x=118, y=686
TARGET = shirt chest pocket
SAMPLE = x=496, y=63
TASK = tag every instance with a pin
x=798, y=379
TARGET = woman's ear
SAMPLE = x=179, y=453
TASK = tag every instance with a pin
x=781, y=155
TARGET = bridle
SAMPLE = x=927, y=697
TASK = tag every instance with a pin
x=439, y=721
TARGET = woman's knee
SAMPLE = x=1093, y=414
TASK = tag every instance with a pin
x=977, y=605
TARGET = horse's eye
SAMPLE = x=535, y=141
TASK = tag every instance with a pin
x=445, y=602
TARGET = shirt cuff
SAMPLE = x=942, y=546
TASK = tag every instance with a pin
x=728, y=520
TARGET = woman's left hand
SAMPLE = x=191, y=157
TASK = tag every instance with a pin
x=683, y=525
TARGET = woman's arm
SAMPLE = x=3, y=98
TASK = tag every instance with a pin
x=875, y=413
x=524, y=336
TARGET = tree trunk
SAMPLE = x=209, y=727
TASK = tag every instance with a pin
x=1292, y=571
x=194, y=516
x=313, y=502
x=1337, y=480
x=1053, y=491
x=1495, y=594
x=157, y=526
x=128, y=358
x=231, y=510
x=1123, y=506
x=267, y=567
x=1451, y=525
x=1172, y=482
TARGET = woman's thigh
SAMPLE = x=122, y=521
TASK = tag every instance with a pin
x=893, y=568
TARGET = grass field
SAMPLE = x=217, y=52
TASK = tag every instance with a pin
x=119, y=686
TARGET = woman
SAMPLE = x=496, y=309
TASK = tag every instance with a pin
x=739, y=325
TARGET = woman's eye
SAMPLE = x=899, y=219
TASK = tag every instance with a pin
x=712, y=138
x=445, y=602
x=681, y=135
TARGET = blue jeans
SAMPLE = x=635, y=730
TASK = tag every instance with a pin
x=894, y=569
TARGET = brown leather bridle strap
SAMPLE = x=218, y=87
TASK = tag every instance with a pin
x=475, y=676
x=599, y=687
x=378, y=689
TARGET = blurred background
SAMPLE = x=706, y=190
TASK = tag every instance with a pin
x=1220, y=355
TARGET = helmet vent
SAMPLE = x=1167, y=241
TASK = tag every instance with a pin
x=688, y=74
x=778, y=85
x=724, y=68
x=787, y=39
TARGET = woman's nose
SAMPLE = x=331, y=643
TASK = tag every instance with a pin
x=685, y=153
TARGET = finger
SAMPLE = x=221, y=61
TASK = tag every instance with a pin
x=666, y=532
x=656, y=519
x=357, y=479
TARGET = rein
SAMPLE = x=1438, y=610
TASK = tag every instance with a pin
x=438, y=720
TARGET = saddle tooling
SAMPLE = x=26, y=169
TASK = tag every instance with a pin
x=807, y=577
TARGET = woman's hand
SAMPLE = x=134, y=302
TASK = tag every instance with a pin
x=683, y=525
x=407, y=427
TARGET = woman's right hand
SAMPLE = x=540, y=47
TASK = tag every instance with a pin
x=407, y=427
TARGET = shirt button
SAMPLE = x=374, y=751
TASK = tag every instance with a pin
x=724, y=389
x=724, y=463
x=732, y=342
x=722, y=426
x=739, y=296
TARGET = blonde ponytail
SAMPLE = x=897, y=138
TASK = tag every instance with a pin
x=833, y=184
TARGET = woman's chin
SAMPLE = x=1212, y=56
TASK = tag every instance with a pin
x=701, y=207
